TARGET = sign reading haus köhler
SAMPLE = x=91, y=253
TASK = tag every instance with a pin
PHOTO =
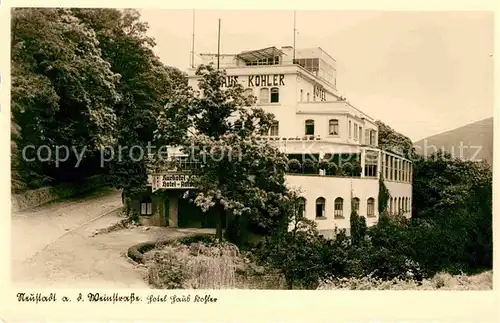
x=171, y=181
x=256, y=80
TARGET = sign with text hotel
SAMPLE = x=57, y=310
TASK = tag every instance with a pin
x=171, y=181
x=256, y=80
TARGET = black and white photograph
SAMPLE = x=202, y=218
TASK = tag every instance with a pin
x=204, y=149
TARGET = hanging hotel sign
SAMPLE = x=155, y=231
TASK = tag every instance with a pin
x=256, y=80
x=171, y=181
x=320, y=92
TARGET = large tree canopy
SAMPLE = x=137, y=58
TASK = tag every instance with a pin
x=218, y=127
x=390, y=140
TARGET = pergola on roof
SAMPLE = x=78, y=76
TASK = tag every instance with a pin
x=258, y=54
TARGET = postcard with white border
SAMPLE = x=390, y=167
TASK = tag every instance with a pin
x=248, y=161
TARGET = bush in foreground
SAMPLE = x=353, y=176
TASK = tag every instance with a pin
x=441, y=281
x=200, y=265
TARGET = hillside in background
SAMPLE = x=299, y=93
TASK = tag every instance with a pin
x=472, y=136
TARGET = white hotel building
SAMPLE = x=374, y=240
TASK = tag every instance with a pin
x=312, y=119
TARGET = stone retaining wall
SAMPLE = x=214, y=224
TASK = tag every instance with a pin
x=33, y=198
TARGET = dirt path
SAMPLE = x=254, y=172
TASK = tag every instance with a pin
x=34, y=229
x=53, y=246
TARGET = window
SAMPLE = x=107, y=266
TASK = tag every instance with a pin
x=355, y=204
x=403, y=166
x=367, y=136
x=393, y=168
x=399, y=205
x=274, y=130
x=275, y=95
x=339, y=206
x=355, y=131
x=390, y=205
x=350, y=129
x=406, y=205
x=370, y=207
x=264, y=96
x=400, y=170
x=146, y=207
x=302, y=207
x=301, y=95
x=387, y=166
x=360, y=133
x=333, y=127
x=320, y=207
x=248, y=92
x=309, y=127
x=308, y=97
x=371, y=162
x=372, y=137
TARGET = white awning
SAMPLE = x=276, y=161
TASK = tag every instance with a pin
x=258, y=54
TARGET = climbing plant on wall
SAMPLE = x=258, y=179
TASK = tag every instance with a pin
x=383, y=195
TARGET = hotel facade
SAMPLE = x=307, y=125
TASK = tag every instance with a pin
x=312, y=123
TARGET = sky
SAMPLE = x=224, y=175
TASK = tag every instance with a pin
x=422, y=73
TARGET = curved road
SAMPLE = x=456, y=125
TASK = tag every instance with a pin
x=52, y=246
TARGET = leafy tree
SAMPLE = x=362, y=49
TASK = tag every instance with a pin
x=219, y=127
x=323, y=164
x=309, y=167
x=294, y=166
x=85, y=77
x=332, y=168
x=63, y=91
x=146, y=86
x=354, y=225
x=301, y=254
x=383, y=196
x=390, y=140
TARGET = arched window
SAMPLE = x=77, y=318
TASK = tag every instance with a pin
x=399, y=205
x=406, y=204
x=275, y=95
x=248, y=92
x=302, y=207
x=308, y=97
x=333, y=127
x=338, y=211
x=370, y=207
x=146, y=206
x=301, y=95
x=264, y=96
x=309, y=127
x=355, y=204
x=274, y=130
x=320, y=207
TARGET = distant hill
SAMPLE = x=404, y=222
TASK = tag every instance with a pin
x=472, y=136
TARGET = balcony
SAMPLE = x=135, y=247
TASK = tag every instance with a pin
x=331, y=107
